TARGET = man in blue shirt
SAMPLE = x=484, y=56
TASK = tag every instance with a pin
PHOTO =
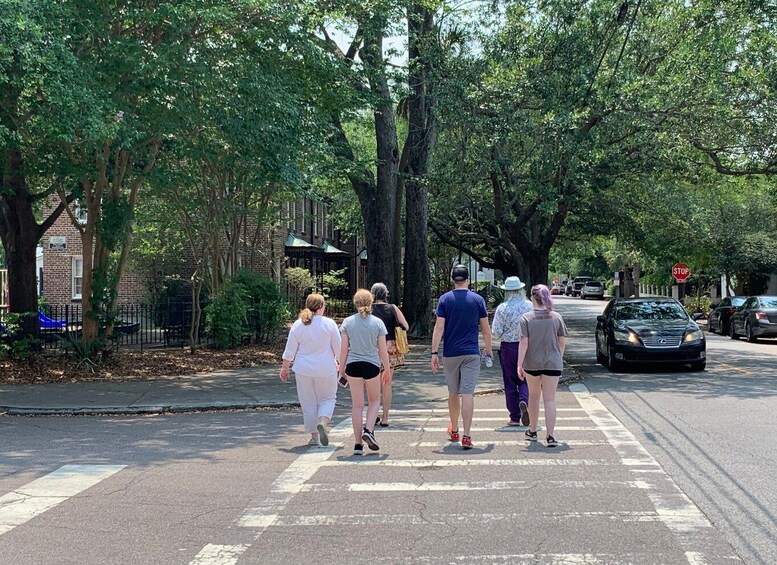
x=460, y=313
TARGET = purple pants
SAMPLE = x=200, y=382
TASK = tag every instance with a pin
x=516, y=390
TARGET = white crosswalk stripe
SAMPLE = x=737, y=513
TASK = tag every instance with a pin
x=43, y=494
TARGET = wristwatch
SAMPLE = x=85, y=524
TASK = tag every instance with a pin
x=434, y=353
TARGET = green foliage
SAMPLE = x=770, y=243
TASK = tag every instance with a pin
x=90, y=353
x=226, y=316
x=11, y=346
x=267, y=309
x=300, y=281
x=697, y=303
x=333, y=281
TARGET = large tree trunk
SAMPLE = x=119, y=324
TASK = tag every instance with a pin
x=381, y=232
x=421, y=137
x=20, y=235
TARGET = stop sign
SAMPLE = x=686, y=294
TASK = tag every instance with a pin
x=681, y=272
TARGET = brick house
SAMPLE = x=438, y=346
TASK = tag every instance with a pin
x=303, y=237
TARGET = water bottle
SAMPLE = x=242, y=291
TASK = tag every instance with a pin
x=489, y=360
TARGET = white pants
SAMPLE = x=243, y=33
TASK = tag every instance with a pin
x=317, y=395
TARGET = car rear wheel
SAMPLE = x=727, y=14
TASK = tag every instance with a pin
x=699, y=365
x=731, y=331
x=751, y=337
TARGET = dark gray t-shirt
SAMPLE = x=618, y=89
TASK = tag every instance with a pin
x=363, y=336
x=543, y=328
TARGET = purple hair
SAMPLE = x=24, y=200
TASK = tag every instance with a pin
x=542, y=294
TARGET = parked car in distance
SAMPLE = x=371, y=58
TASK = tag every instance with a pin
x=757, y=317
x=648, y=330
x=556, y=289
x=592, y=289
x=720, y=316
x=578, y=283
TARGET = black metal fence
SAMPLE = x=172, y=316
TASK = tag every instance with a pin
x=140, y=326
x=135, y=326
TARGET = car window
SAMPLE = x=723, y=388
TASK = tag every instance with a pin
x=738, y=301
x=724, y=303
x=769, y=302
x=750, y=303
x=593, y=284
x=650, y=311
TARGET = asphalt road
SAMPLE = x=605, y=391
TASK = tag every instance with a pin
x=657, y=467
x=711, y=431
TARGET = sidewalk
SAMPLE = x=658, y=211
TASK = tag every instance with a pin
x=259, y=387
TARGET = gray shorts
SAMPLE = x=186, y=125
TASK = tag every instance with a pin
x=461, y=373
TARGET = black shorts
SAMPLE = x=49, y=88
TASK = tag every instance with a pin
x=545, y=372
x=362, y=370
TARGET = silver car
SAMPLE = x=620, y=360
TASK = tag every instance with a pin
x=592, y=289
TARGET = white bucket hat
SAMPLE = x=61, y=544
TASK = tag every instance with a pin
x=512, y=283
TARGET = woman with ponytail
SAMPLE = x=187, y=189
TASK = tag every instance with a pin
x=540, y=359
x=313, y=346
x=362, y=352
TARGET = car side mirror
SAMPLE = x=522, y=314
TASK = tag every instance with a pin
x=601, y=318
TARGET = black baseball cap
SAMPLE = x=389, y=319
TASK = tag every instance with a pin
x=460, y=273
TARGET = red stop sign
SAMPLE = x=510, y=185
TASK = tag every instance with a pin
x=681, y=272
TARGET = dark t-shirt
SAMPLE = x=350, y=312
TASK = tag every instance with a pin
x=387, y=313
x=462, y=310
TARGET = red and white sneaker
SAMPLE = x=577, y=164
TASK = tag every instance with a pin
x=466, y=442
x=453, y=435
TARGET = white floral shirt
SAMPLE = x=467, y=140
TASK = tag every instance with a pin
x=507, y=319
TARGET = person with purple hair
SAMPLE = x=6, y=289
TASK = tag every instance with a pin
x=540, y=359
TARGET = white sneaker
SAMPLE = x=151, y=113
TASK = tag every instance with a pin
x=322, y=436
x=313, y=441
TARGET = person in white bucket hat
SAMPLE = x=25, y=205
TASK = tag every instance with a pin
x=505, y=327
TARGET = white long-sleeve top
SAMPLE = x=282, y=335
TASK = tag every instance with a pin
x=313, y=348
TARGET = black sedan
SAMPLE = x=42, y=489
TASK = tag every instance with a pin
x=757, y=317
x=648, y=330
x=719, y=317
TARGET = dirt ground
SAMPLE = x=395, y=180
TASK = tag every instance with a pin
x=56, y=366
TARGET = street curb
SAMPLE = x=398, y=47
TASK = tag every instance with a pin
x=144, y=410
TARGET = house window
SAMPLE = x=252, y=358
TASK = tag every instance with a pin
x=288, y=216
x=302, y=219
x=77, y=277
x=315, y=218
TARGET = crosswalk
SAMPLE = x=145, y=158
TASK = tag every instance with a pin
x=600, y=497
x=421, y=490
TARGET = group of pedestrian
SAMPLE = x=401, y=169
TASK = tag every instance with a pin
x=363, y=354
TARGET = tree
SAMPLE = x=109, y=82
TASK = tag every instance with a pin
x=42, y=98
x=576, y=102
x=415, y=164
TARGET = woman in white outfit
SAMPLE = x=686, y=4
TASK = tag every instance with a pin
x=313, y=345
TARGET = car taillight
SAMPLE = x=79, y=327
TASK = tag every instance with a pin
x=731, y=310
x=761, y=316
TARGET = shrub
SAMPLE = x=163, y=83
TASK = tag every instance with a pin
x=697, y=303
x=12, y=346
x=226, y=317
x=267, y=308
x=300, y=281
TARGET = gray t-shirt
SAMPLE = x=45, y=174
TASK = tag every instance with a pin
x=543, y=328
x=363, y=336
